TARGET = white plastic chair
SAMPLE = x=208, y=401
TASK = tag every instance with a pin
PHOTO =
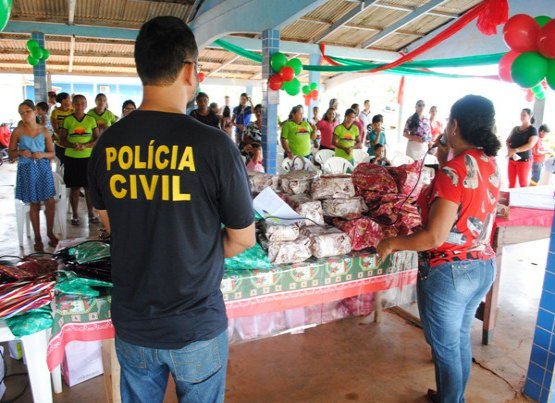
x=337, y=165
x=359, y=155
x=400, y=159
x=22, y=211
x=298, y=164
x=323, y=155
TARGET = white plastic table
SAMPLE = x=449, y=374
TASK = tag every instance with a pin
x=34, y=348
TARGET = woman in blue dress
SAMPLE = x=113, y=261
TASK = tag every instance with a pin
x=32, y=145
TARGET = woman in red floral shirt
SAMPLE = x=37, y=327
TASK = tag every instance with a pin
x=456, y=261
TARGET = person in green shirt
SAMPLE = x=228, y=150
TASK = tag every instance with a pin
x=346, y=137
x=78, y=135
x=297, y=135
x=103, y=116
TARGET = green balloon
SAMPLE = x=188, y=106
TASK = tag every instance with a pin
x=32, y=44
x=529, y=69
x=296, y=65
x=306, y=89
x=542, y=20
x=278, y=61
x=36, y=53
x=292, y=87
x=313, y=86
x=540, y=96
x=45, y=54
x=550, y=75
x=5, y=11
x=537, y=89
x=32, y=61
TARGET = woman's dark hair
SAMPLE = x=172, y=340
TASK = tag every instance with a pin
x=100, y=94
x=349, y=111
x=61, y=96
x=226, y=113
x=43, y=106
x=475, y=116
x=529, y=112
x=202, y=94
x=28, y=103
x=377, y=118
x=78, y=96
x=414, y=120
x=354, y=106
x=163, y=46
x=325, y=117
x=257, y=107
x=294, y=110
x=244, y=94
x=128, y=102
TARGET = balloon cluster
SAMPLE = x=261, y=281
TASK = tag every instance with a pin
x=5, y=11
x=36, y=53
x=310, y=93
x=532, y=55
x=286, y=72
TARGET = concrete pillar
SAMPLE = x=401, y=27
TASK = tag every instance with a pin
x=270, y=45
x=539, y=108
x=249, y=90
x=39, y=73
x=540, y=385
x=314, y=77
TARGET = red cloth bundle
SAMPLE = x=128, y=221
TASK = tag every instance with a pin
x=407, y=177
x=29, y=269
x=399, y=212
x=364, y=232
x=373, y=178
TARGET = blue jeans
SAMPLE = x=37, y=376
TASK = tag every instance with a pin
x=536, y=171
x=198, y=369
x=448, y=296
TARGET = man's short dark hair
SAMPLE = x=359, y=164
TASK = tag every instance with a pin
x=163, y=45
x=543, y=128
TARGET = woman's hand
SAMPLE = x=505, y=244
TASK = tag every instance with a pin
x=385, y=248
x=512, y=151
x=26, y=154
x=38, y=155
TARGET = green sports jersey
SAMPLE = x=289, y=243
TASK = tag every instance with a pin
x=298, y=137
x=79, y=131
x=347, y=138
x=104, y=120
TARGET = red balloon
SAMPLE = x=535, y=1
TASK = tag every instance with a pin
x=314, y=94
x=287, y=73
x=201, y=77
x=529, y=95
x=505, y=65
x=275, y=82
x=521, y=33
x=546, y=40
x=307, y=99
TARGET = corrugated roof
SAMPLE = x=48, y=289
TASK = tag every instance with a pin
x=96, y=56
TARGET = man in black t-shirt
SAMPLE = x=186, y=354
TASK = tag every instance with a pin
x=163, y=184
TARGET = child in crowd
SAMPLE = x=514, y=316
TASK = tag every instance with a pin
x=42, y=116
x=538, y=153
x=255, y=162
x=376, y=134
x=379, y=158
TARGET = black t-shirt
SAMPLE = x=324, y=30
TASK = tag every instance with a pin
x=168, y=182
x=518, y=138
x=211, y=119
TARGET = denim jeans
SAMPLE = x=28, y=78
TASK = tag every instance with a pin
x=536, y=171
x=448, y=296
x=198, y=369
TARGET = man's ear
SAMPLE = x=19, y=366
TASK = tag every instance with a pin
x=188, y=74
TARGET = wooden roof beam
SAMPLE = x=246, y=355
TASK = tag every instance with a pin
x=402, y=23
x=223, y=65
x=344, y=20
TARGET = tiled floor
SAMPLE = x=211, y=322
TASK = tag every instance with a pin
x=344, y=360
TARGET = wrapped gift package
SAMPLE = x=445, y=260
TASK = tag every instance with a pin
x=259, y=181
x=297, y=182
x=397, y=210
x=306, y=207
x=374, y=178
x=327, y=241
x=333, y=187
x=290, y=251
x=82, y=361
x=408, y=178
x=364, y=232
x=344, y=208
x=280, y=233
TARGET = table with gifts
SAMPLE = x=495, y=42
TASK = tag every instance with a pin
x=281, y=290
